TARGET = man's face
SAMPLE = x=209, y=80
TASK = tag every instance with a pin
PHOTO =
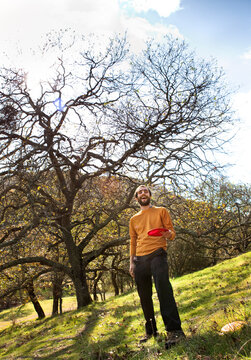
x=144, y=196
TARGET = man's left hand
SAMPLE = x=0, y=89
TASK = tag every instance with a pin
x=167, y=234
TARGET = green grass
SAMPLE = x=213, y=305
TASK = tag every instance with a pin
x=110, y=330
x=26, y=312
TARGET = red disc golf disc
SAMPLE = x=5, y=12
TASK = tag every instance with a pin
x=157, y=231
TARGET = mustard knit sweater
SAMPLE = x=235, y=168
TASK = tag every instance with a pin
x=145, y=220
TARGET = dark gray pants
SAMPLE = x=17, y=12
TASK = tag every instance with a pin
x=155, y=265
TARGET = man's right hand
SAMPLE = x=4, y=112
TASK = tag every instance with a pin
x=131, y=269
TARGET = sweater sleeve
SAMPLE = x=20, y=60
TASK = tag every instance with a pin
x=133, y=239
x=167, y=222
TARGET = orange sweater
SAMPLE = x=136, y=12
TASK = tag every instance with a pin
x=145, y=220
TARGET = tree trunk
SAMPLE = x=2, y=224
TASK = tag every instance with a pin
x=114, y=283
x=55, y=305
x=34, y=299
x=77, y=266
x=121, y=284
x=82, y=291
x=60, y=306
x=95, y=285
x=81, y=287
x=94, y=292
x=57, y=291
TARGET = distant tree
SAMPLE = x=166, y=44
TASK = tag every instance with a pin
x=111, y=269
x=231, y=216
x=212, y=223
x=103, y=115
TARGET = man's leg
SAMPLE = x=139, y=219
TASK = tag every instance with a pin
x=143, y=281
x=168, y=307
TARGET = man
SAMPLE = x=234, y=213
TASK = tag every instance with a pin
x=148, y=258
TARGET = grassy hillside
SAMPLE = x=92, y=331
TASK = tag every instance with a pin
x=207, y=300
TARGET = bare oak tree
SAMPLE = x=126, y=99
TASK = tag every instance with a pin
x=101, y=115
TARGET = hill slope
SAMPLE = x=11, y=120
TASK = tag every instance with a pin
x=109, y=330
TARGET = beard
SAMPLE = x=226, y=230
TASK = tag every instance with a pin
x=144, y=202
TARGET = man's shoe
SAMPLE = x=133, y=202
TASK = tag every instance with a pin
x=147, y=337
x=174, y=337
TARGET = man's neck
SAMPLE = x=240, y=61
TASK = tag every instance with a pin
x=145, y=207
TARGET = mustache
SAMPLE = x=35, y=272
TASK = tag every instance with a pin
x=144, y=201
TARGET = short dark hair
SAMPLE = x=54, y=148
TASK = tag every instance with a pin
x=136, y=191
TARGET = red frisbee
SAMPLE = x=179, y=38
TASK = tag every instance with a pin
x=157, y=231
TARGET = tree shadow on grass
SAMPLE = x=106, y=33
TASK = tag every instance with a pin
x=16, y=312
x=84, y=345
x=118, y=341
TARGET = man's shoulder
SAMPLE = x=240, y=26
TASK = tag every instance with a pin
x=159, y=208
x=136, y=215
x=160, y=211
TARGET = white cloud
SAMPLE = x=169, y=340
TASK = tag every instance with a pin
x=242, y=104
x=163, y=7
x=23, y=24
x=139, y=30
x=94, y=16
x=247, y=55
x=26, y=22
x=93, y=6
x=239, y=148
x=28, y=18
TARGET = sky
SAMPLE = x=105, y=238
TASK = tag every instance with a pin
x=219, y=29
